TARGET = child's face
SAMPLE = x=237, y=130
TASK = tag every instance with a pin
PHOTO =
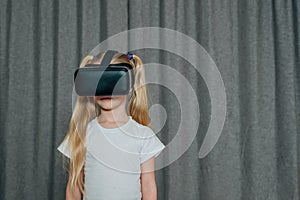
x=109, y=103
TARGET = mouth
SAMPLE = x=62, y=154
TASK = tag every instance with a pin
x=106, y=98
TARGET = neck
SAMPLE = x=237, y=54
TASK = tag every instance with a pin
x=117, y=115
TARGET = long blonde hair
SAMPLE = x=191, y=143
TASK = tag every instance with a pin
x=86, y=109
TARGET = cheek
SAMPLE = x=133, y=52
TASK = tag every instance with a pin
x=118, y=100
x=96, y=99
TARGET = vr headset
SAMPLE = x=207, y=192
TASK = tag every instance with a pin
x=104, y=79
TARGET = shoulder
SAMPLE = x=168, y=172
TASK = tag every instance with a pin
x=142, y=131
x=92, y=123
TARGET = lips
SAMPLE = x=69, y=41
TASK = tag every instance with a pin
x=105, y=98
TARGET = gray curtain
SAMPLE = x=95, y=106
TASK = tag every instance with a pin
x=255, y=45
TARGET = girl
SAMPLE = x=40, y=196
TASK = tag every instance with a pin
x=109, y=144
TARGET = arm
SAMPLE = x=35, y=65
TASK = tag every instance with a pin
x=75, y=194
x=148, y=184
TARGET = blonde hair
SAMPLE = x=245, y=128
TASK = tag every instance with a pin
x=86, y=109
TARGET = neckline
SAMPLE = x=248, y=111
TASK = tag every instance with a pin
x=113, y=129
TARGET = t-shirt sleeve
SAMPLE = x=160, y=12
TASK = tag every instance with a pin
x=63, y=148
x=151, y=145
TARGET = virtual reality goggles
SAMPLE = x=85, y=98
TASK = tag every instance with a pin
x=104, y=79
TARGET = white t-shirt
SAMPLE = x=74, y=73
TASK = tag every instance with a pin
x=113, y=158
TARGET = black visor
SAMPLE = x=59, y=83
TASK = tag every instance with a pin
x=104, y=80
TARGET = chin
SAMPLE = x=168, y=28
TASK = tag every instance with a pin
x=109, y=104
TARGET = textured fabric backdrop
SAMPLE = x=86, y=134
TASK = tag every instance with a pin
x=255, y=45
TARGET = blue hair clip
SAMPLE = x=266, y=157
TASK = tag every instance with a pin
x=130, y=57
